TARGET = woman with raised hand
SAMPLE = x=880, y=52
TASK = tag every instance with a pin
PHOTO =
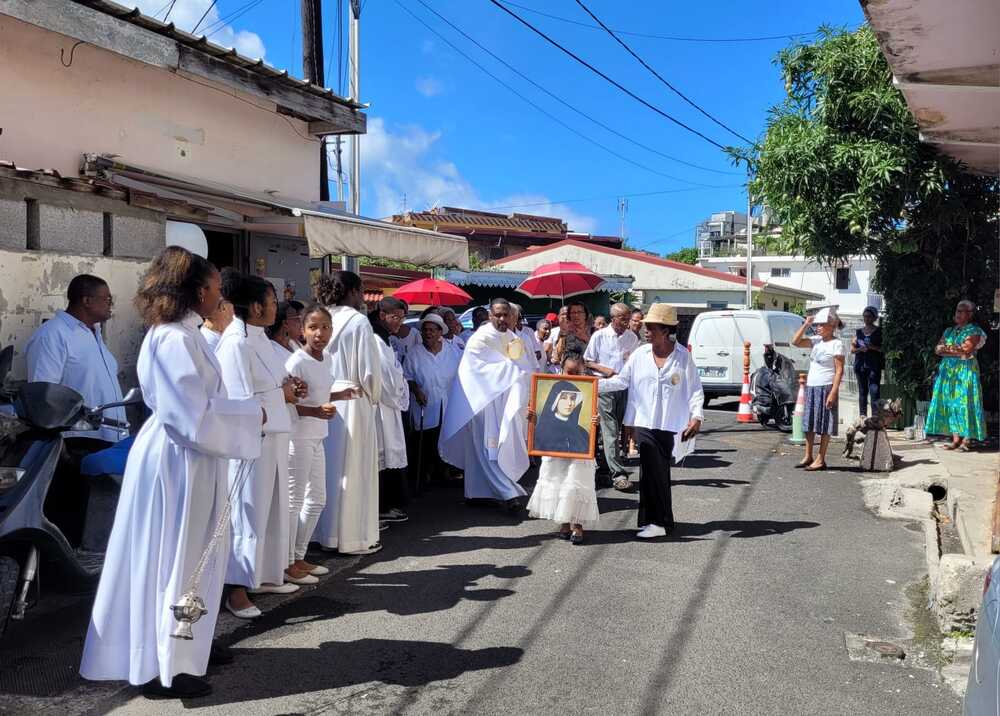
x=173, y=493
x=826, y=369
x=259, y=553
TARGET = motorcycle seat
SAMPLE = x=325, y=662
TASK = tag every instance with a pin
x=110, y=461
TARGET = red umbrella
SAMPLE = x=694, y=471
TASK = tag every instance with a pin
x=432, y=292
x=561, y=279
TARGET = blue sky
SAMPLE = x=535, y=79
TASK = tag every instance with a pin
x=442, y=132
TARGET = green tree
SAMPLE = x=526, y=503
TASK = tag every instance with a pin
x=688, y=255
x=844, y=173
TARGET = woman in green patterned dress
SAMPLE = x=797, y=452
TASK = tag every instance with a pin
x=957, y=404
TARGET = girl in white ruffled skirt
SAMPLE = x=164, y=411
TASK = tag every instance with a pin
x=565, y=491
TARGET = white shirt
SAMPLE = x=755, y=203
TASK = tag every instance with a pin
x=212, y=338
x=609, y=349
x=66, y=351
x=659, y=398
x=433, y=373
x=821, y=361
x=318, y=375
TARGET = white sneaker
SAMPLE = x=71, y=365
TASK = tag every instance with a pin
x=307, y=579
x=642, y=528
x=369, y=550
x=651, y=531
x=285, y=588
x=319, y=570
x=250, y=612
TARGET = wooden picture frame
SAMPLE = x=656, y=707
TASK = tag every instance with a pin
x=542, y=444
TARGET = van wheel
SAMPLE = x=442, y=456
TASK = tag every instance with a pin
x=10, y=570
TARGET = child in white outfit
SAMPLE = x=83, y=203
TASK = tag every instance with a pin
x=565, y=491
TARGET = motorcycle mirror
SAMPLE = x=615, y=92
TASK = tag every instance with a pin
x=132, y=397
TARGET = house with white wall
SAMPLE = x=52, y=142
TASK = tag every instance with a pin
x=121, y=134
x=846, y=284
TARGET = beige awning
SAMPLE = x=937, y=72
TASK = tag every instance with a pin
x=327, y=230
x=340, y=234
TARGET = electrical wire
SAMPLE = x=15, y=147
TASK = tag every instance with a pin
x=537, y=106
x=658, y=76
x=207, y=10
x=169, y=10
x=234, y=15
x=609, y=196
x=561, y=100
x=673, y=38
x=598, y=72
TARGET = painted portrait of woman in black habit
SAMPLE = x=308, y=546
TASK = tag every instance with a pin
x=558, y=428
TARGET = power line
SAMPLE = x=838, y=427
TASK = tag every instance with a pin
x=207, y=10
x=658, y=76
x=560, y=99
x=615, y=196
x=596, y=71
x=674, y=38
x=537, y=106
x=235, y=14
x=169, y=10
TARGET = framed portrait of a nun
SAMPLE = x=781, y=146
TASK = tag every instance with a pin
x=564, y=406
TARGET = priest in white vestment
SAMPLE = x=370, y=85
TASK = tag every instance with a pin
x=349, y=523
x=485, y=424
x=173, y=492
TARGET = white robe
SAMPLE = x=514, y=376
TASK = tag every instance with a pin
x=485, y=425
x=395, y=399
x=349, y=522
x=260, y=518
x=172, y=496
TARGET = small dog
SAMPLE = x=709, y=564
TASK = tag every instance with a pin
x=886, y=413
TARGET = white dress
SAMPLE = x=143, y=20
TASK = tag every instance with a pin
x=395, y=399
x=349, y=522
x=172, y=496
x=260, y=518
x=565, y=492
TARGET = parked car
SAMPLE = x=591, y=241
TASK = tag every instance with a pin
x=982, y=694
x=716, y=345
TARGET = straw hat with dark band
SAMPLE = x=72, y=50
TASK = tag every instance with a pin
x=661, y=313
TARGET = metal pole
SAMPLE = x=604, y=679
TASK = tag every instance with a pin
x=749, y=247
x=350, y=263
x=312, y=67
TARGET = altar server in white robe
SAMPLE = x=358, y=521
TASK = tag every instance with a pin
x=393, y=490
x=260, y=516
x=349, y=523
x=532, y=359
x=485, y=425
x=173, y=493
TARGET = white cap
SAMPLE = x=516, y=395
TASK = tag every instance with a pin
x=826, y=315
x=436, y=320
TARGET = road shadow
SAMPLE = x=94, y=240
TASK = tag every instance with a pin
x=742, y=529
x=340, y=664
x=698, y=461
x=709, y=482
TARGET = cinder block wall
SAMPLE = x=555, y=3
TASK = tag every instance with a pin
x=48, y=235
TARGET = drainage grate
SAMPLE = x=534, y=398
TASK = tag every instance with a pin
x=30, y=675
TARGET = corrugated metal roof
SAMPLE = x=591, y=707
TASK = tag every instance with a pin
x=444, y=217
x=513, y=279
x=203, y=44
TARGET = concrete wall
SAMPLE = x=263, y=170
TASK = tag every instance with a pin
x=34, y=287
x=809, y=276
x=105, y=103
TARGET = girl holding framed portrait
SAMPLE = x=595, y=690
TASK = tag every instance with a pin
x=565, y=491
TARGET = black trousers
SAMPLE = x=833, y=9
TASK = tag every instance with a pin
x=655, y=448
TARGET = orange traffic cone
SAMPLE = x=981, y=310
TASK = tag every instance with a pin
x=745, y=415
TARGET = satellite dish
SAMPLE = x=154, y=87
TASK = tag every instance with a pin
x=187, y=236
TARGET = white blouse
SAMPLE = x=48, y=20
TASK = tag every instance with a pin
x=659, y=398
x=434, y=373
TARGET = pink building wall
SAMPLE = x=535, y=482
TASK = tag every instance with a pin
x=105, y=103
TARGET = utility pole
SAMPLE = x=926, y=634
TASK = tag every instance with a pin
x=312, y=68
x=350, y=263
x=749, y=247
x=622, y=211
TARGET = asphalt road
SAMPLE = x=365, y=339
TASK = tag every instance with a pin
x=471, y=610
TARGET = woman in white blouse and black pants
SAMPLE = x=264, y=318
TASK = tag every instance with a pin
x=664, y=398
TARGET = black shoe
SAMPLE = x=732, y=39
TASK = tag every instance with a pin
x=513, y=504
x=220, y=655
x=183, y=686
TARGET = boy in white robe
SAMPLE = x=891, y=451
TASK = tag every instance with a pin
x=485, y=425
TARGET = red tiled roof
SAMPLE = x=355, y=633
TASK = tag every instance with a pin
x=636, y=256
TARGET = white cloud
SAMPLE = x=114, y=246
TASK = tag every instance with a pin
x=186, y=13
x=404, y=161
x=429, y=87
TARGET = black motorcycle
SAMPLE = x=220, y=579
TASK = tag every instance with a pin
x=774, y=388
x=38, y=526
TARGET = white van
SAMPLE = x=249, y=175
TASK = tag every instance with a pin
x=716, y=344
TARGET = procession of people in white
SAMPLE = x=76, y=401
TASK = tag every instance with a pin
x=294, y=434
